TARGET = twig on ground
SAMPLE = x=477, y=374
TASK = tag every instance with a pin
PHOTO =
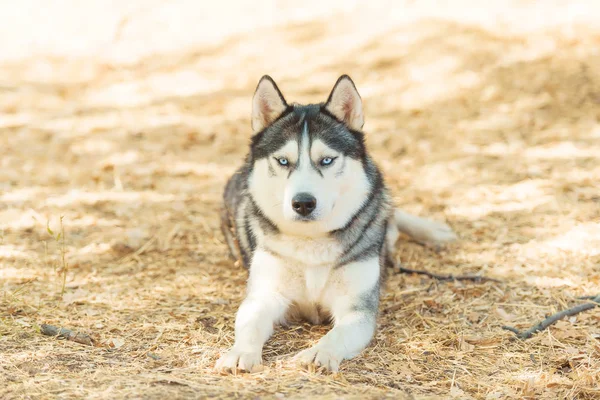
x=472, y=278
x=594, y=302
x=139, y=251
x=586, y=297
x=51, y=330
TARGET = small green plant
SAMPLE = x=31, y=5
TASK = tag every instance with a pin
x=62, y=267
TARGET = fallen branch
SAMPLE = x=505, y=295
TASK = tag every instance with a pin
x=595, y=301
x=472, y=278
x=586, y=298
x=50, y=330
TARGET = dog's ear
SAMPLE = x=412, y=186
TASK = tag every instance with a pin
x=345, y=103
x=268, y=104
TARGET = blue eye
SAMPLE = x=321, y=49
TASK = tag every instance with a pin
x=283, y=161
x=327, y=161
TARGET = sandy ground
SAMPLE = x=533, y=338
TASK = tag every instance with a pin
x=126, y=118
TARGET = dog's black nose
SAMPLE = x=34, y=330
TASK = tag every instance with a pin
x=304, y=204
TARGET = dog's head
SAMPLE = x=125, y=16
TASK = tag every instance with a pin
x=308, y=161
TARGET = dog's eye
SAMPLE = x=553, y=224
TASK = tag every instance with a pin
x=283, y=161
x=327, y=161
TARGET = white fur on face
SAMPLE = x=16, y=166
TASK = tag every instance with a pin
x=340, y=189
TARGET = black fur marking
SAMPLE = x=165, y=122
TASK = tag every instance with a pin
x=342, y=168
x=321, y=125
x=271, y=169
x=382, y=245
x=273, y=137
x=249, y=234
x=310, y=142
x=337, y=131
x=265, y=223
x=364, y=254
x=377, y=186
x=360, y=235
x=309, y=111
x=316, y=168
x=245, y=253
x=369, y=301
x=300, y=140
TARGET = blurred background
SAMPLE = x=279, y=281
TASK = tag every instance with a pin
x=127, y=118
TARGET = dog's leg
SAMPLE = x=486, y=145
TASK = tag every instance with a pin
x=422, y=230
x=354, y=300
x=350, y=335
x=263, y=307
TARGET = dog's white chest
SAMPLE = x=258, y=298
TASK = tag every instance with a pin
x=306, y=252
x=312, y=293
x=306, y=273
x=315, y=281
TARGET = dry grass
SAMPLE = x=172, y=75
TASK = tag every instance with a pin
x=127, y=121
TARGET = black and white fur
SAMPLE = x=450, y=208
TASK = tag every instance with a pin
x=310, y=216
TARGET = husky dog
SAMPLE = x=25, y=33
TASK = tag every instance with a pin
x=310, y=216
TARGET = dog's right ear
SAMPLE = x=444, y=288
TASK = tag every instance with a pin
x=268, y=104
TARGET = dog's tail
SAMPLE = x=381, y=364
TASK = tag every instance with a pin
x=422, y=230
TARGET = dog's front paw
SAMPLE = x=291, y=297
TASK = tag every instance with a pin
x=320, y=356
x=235, y=360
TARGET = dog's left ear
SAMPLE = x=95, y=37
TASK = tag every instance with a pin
x=345, y=103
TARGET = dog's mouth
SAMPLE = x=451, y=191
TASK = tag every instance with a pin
x=305, y=219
